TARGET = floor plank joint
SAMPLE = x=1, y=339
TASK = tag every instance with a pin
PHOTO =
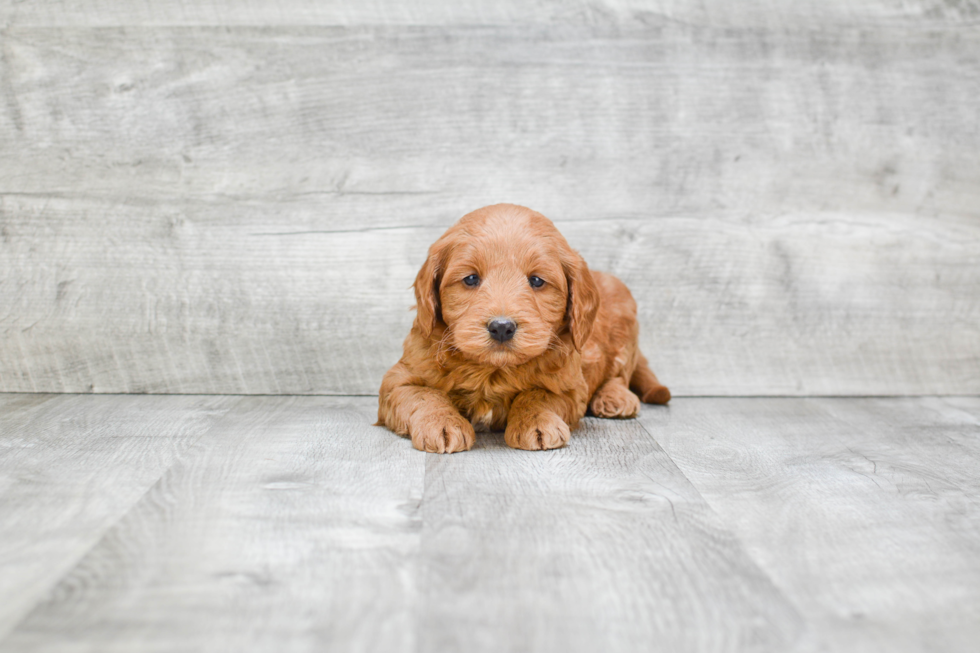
x=292, y=523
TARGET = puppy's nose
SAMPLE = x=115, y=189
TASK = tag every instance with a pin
x=502, y=329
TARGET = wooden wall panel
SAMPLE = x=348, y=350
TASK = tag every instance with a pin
x=749, y=13
x=193, y=209
x=198, y=298
x=582, y=122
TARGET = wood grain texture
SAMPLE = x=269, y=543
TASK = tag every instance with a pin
x=751, y=13
x=290, y=524
x=814, y=304
x=292, y=527
x=865, y=512
x=241, y=210
x=584, y=122
x=601, y=546
x=70, y=467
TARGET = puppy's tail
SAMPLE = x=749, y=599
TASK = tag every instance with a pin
x=646, y=386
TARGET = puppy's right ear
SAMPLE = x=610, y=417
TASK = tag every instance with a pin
x=583, y=298
x=428, y=310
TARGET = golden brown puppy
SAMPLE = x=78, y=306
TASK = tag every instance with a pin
x=513, y=331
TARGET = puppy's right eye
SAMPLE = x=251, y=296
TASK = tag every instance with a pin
x=471, y=280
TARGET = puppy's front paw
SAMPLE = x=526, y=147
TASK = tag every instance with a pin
x=544, y=430
x=442, y=433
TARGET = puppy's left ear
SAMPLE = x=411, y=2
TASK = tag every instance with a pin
x=583, y=298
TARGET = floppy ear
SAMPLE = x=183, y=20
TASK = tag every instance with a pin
x=583, y=299
x=428, y=310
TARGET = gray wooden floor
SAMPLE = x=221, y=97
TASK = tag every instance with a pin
x=219, y=523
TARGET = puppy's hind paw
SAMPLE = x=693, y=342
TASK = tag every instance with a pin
x=614, y=400
x=443, y=434
x=545, y=430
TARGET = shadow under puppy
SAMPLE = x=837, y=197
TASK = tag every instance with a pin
x=513, y=331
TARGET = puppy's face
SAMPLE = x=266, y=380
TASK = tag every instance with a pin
x=505, y=285
x=503, y=298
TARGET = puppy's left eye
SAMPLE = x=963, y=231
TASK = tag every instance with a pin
x=536, y=282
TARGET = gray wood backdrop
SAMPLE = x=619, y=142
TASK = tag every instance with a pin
x=220, y=197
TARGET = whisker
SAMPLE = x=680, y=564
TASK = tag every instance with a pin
x=557, y=344
x=444, y=346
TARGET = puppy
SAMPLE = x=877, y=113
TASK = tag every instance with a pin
x=513, y=331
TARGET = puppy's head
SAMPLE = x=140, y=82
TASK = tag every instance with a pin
x=502, y=285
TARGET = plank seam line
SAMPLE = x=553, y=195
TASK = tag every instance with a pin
x=345, y=231
x=724, y=524
x=13, y=629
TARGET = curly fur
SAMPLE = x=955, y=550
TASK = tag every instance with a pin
x=575, y=348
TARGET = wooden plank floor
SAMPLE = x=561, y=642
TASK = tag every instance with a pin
x=209, y=523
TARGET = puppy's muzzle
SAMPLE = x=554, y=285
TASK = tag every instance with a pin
x=502, y=329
